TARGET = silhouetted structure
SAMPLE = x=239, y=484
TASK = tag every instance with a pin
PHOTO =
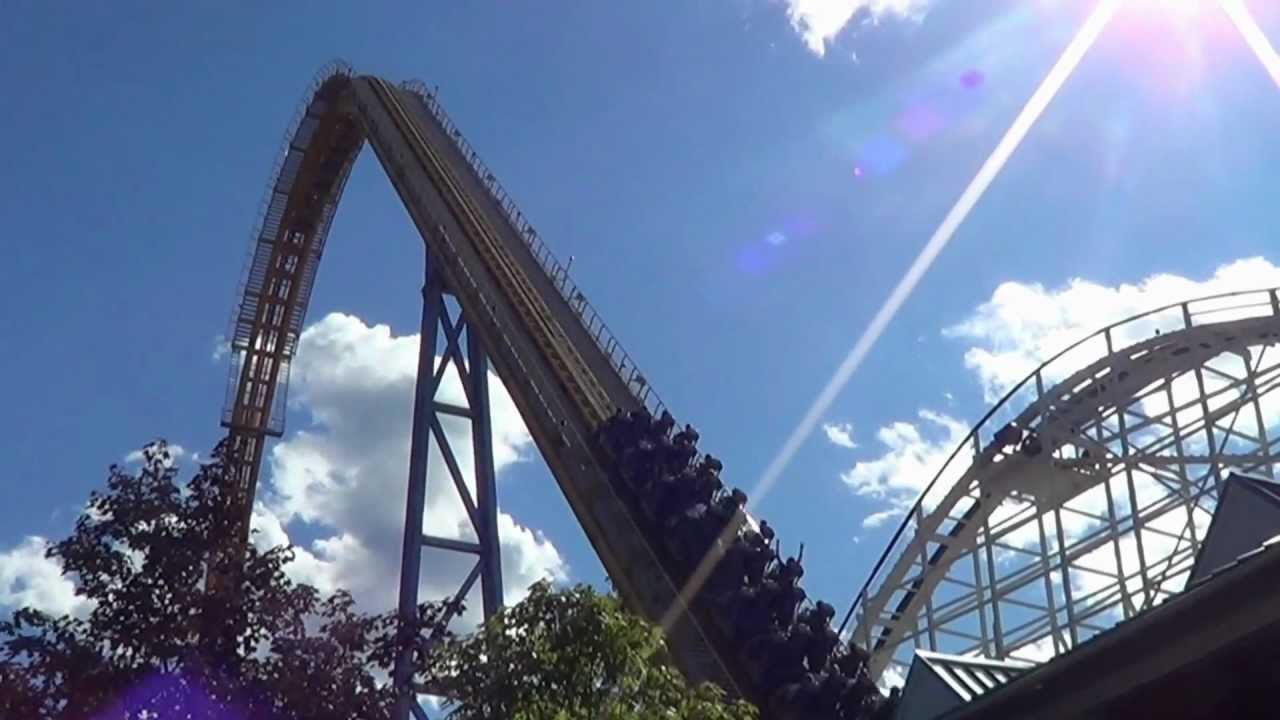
x=648, y=504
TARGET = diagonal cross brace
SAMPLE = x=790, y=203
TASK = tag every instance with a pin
x=482, y=508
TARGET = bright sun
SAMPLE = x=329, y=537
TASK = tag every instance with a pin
x=1183, y=8
x=1190, y=12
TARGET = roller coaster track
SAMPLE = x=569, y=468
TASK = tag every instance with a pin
x=1111, y=414
x=1136, y=428
x=565, y=371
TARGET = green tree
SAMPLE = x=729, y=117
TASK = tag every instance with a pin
x=570, y=654
x=139, y=553
x=282, y=651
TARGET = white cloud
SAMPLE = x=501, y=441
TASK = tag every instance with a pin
x=340, y=480
x=29, y=579
x=221, y=348
x=1024, y=324
x=876, y=519
x=840, y=434
x=1009, y=336
x=1157, y=547
x=527, y=556
x=1039, y=651
x=1012, y=333
x=820, y=21
x=176, y=452
x=892, y=677
x=344, y=473
x=914, y=454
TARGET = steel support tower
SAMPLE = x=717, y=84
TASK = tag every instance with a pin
x=1078, y=500
x=482, y=509
x=519, y=313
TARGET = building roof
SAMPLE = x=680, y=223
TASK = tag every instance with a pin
x=971, y=677
x=938, y=683
x=1247, y=513
x=1235, y=602
x=1270, y=545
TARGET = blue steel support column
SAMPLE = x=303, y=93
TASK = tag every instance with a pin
x=419, y=445
x=483, y=509
x=486, y=487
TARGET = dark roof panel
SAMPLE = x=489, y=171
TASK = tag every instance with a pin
x=1248, y=512
x=1244, y=566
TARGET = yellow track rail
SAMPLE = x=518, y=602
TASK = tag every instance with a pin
x=582, y=399
x=578, y=380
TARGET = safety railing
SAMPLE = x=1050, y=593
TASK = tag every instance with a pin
x=1168, y=318
x=596, y=328
x=463, y=275
x=277, y=182
x=595, y=325
x=337, y=67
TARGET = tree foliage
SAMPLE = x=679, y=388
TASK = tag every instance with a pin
x=156, y=638
x=567, y=655
x=157, y=643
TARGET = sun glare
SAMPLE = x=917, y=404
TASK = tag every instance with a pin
x=1181, y=8
x=1186, y=14
x=1254, y=37
x=1040, y=100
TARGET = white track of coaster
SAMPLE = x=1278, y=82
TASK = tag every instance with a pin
x=1097, y=513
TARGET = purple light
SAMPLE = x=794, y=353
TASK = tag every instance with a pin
x=920, y=122
x=179, y=694
x=972, y=79
x=857, y=171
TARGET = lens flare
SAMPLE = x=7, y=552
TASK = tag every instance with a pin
x=971, y=79
x=1254, y=37
x=1017, y=132
x=1070, y=59
x=1178, y=8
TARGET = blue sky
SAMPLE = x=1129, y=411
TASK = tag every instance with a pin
x=738, y=206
